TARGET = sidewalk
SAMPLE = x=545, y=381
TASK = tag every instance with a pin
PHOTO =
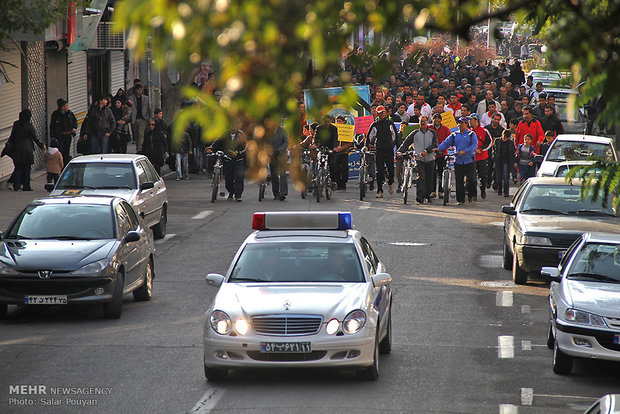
x=12, y=202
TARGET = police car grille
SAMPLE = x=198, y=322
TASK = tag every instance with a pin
x=613, y=322
x=287, y=357
x=286, y=325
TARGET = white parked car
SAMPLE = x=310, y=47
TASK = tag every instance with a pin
x=584, y=301
x=575, y=147
x=131, y=177
x=304, y=290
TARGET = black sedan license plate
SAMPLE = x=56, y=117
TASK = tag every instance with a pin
x=45, y=300
x=286, y=347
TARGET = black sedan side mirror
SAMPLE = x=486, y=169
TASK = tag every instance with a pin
x=49, y=187
x=147, y=185
x=132, y=236
x=510, y=210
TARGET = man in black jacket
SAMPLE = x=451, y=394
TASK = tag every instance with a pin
x=101, y=123
x=383, y=134
x=63, y=126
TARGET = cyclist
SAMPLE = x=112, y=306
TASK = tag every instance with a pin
x=234, y=145
x=279, y=144
x=382, y=134
x=466, y=144
x=424, y=141
x=482, y=153
x=442, y=132
x=327, y=136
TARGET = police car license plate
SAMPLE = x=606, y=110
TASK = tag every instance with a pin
x=45, y=300
x=616, y=339
x=286, y=347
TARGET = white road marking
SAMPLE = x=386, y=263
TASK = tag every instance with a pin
x=407, y=244
x=508, y=409
x=208, y=401
x=527, y=396
x=365, y=205
x=491, y=260
x=526, y=345
x=165, y=239
x=202, y=214
x=498, y=284
x=504, y=298
x=526, y=309
x=505, y=346
x=497, y=223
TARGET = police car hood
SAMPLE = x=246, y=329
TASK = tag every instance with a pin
x=595, y=297
x=327, y=299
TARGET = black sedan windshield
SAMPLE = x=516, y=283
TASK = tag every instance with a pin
x=97, y=175
x=298, y=262
x=64, y=221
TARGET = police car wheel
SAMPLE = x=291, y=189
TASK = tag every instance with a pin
x=371, y=373
x=385, y=346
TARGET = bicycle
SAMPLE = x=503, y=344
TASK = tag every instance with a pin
x=217, y=173
x=364, y=174
x=447, y=176
x=306, y=172
x=409, y=173
x=323, y=181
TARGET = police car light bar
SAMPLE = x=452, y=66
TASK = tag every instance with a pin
x=302, y=220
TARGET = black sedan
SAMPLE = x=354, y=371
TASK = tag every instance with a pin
x=545, y=217
x=76, y=250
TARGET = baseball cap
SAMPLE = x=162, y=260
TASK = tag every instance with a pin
x=474, y=116
x=463, y=119
x=437, y=116
x=380, y=108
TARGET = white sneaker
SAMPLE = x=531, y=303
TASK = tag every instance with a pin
x=391, y=189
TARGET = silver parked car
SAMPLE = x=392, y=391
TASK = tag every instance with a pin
x=76, y=250
x=129, y=176
x=304, y=290
x=584, y=302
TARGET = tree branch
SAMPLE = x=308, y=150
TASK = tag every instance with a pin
x=25, y=55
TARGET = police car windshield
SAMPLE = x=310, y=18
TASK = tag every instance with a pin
x=298, y=262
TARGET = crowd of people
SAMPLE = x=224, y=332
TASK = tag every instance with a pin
x=494, y=103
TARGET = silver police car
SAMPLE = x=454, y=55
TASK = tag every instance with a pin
x=304, y=290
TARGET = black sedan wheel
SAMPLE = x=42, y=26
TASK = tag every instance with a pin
x=507, y=257
x=113, y=309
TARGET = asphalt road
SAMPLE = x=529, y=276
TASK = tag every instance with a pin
x=466, y=340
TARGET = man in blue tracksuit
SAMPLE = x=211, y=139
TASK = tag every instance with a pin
x=466, y=143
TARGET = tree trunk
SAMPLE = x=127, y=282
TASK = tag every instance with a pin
x=171, y=93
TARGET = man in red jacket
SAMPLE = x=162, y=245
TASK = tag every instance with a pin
x=529, y=125
x=482, y=153
x=442, y=132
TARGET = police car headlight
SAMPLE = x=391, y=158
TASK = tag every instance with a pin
x=93, y=268
x=220, y=322
x=332, y=327
x=242, y=326
x=354, y=322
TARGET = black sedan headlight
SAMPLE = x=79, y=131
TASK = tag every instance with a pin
x=100, y=267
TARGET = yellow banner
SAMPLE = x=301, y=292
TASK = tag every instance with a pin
x=346, y=132
x=447, y=119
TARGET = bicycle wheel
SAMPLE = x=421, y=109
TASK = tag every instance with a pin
x=305, y=174
x=362, y=181
x=446, y=186
x=328, y=187
x=406, y=186
x=215, y=184
x=318, y=186
x=261, y=190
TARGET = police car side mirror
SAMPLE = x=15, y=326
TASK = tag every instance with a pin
x=381, y=279
x=214, y=279
x=538, y=158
